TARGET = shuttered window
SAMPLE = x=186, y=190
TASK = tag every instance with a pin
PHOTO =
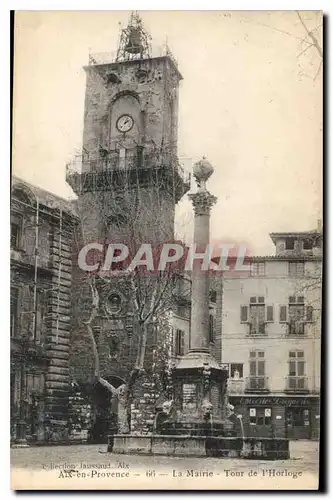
x=244, y=314
x=257, y=364
x=296, y=364
x=296, y=268
x=283, y=314
x=270, y=314
x=258, y=269
x=309, y=313
x=179, y=342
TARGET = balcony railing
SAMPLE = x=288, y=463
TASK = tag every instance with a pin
x=133, y=159
x=257, y=329
x=296, y=328
x=235, y=386
x=113, y=57
x=297, y=384
x=256, y=384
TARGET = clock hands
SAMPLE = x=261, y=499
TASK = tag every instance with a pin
x=125, y=123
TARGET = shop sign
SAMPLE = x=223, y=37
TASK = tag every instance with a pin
x=274, y=400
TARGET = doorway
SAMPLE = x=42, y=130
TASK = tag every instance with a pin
x=105, y=411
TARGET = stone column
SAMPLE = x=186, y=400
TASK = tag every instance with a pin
x=202, y=203
x=198, y=368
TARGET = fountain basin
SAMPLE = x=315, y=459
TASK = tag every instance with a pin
x=200, y=446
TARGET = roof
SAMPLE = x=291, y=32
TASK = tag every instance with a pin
x=296, y=234
x=262, y=258
x=45, y=197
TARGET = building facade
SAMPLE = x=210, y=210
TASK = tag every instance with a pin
x=41, y=262
x=271, y=338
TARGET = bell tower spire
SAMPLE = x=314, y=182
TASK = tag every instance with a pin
x=134, y=41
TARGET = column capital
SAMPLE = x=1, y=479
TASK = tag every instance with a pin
x=202, y=202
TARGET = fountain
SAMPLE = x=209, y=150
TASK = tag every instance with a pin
x=194, y=422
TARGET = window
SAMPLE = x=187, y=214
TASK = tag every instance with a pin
x=236, y=370
x=270, y=314
x=182, y=311
x=297, y=417
x=258, y=269
x=255, y=300
x=307, y=244
x=309, y=314
x=296, y=378
x=14, y=311
x=15, y=231
x=212, y=327
x=296, y=315
x=179, y=343
x=257, y=370
x=290, y=243
x=34, y=382
x=260, y=416
x=257, y=316
x=296, y=318
x=243, y=314
x=296, y=300
x=296, y=268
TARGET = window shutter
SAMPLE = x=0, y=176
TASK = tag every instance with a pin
x=179, y=342
x=301, y=368
x=309, y=313
x=174, y=341
x=253, y=368
x=261, y=368
x=292, y=368
x=270, y=314
x=182, y=343
x=244, y=314
x=283, y=314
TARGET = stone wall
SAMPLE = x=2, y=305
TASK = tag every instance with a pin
x=59, y=323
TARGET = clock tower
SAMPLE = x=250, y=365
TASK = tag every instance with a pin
x=128, y=180
x=129, y=168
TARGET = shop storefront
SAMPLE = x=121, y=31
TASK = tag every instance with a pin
x=279, y=416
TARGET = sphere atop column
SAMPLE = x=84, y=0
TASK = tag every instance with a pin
x=202, y=170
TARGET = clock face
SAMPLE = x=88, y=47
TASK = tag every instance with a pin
x=125, y=123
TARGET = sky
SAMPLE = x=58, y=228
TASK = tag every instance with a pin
x=250, y=101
